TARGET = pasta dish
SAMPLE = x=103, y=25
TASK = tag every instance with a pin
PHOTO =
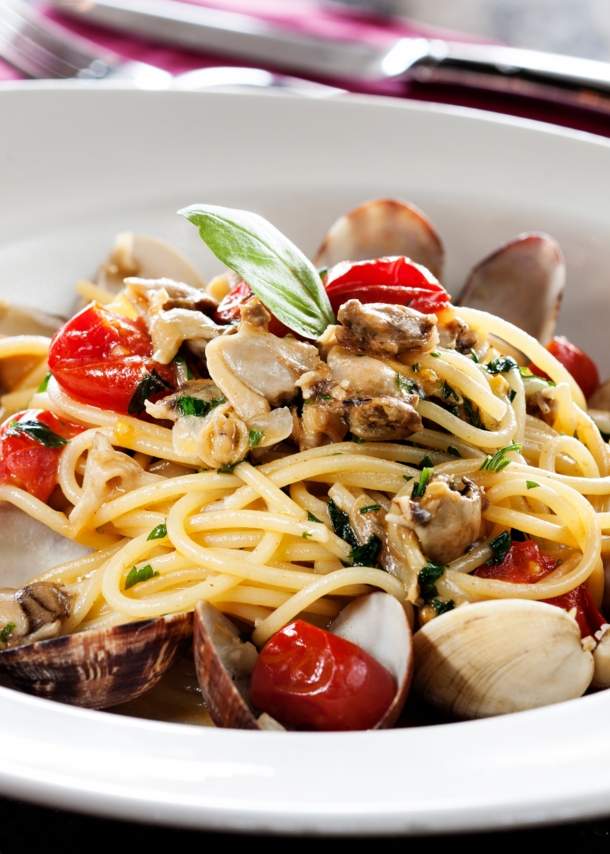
x=320, y=460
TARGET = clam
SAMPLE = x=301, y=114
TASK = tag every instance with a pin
x=500, y=656
x=102, y=667
x=224, y=662
x=146, y=257
x=379, y=228
x=522, y=282
x=601, y=660
x=21, y=320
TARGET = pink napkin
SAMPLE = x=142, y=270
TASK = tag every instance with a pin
x=325, y=21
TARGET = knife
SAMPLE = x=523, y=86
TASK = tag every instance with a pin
x=564, y=79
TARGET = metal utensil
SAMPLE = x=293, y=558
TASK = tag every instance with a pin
x=505, y=69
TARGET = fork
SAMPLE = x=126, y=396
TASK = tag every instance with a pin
x=42, y=49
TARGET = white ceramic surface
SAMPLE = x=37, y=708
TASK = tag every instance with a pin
x=79, y=165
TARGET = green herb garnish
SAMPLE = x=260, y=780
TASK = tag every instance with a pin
x=228, y=469
x=341, y=526
x=43, y=385
x=435, y=354
x=449, y=392
x=150, y=385
x=135, y=576
x=454, y=452
x=326, y=397
x=277, y=271
x=427, y=578
x=419, y=488
x=366, y=555
x=358, y=440
x=442, y=607
x=408, y=386
x=36, y=430
x=500, y=547
x=312, y=518
x=6, y=631
x=415, y=367
x=501, y=365
x=408, y=477
x=158, y=533
x=254, y=437
x=474, y=356
x=306, y=534
x=193, y=406
x=512, y=394
x=371, y=508
x=473, y=414
x=531, y=484
x=425, y=463
x=180, y=360
x=498, y=461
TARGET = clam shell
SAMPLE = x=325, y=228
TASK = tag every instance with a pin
x=378, y=624
x=601, y=660
x=102, y=667
x=522, y=282
x=379, y=228
x=502, y=656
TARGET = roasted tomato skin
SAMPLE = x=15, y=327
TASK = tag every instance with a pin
x=582, y=367
x=99, y=358
x=526, y=564
x=24, y=461
x=312, y=679
x=395, y=280
x=229, y=309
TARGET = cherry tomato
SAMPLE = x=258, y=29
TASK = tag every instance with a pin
x=228, y=310
x=100, y=358
x=587, y=616
x=312, y=679
x=26, y=461
x=582, y=367
x=525, y=564
x=389, y=280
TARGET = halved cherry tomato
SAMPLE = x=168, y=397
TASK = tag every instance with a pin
x=313, y=679
x=389, y=280
x=229, y=309
x=100, y=358
x=582, y=367
x=26, y=461
x=526, y=564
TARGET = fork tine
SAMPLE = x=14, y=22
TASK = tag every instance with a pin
x=39, y=49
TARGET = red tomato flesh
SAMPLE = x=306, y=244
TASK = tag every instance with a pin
x=526, y=564
x=100, y=358
x=582, y=367
x=397, y=281
x=229, y=310
x=27, y=463
x=312, y=679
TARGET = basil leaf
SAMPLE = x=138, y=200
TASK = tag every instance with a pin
x=426, y=578
x=135, y=576
x=36, y=430
x=6, y=632
x=366, y=555
x=193, y=406
x=277, y=271
x=158, y=533
x=341, y=526
x=150, y=385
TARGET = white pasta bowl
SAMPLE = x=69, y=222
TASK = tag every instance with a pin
x=77, y=166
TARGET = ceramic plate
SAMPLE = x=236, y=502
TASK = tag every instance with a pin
x=79, y=165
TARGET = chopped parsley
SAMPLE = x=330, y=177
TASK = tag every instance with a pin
x=501, y=365
x=498, y=461
x=254, y=437
x=180, y=360
x=512, y=394
x=36, y=430
x=528, y=375
x=427, y=578
x=195, y=406
x=449, y=392
x=135, y=576
x=500, y=547
x=454, y=452
x=158, y=533
x=150, y=385
x=341, y=526
x=419, y=488
x=442, y=607
x=326, y=397
x=306, y=534
x=6, y=632
x=408, y=386
x=371, y=508
x=472, y=413
x=415, y=367
x=366, y=555
x=358, y=440
x=531, y=484
x=228, y=469
x=312, y=518
x=425, y=463
x=408, y=477
x=435, y=354
x=43, y=385
x=474, y=356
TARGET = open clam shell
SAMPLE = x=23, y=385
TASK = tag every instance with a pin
x=146, y=257
x=501, y=656
x=384, y=227
x=522, y=282
x=102, y=667
x=224, y=662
